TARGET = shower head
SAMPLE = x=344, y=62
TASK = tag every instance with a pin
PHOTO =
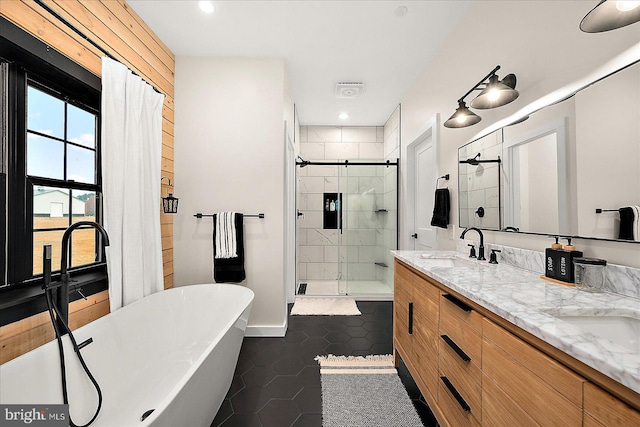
x=474, y=161
x=302, y=163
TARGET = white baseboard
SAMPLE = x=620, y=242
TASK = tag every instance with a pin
x=266, y=331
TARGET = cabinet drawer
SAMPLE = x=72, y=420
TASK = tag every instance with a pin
x=456, y=326
x=536, y=397
x=452, y=409
x=553, y=373
x=465, y=376
x=607, y=409
x=499, y=410
x=452, y=355
x=455, y=307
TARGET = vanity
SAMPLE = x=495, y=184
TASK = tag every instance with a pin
x=495, y=345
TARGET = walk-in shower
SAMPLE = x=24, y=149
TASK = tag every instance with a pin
x=347, y=226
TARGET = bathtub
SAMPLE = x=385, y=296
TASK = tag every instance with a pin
x=174, y=352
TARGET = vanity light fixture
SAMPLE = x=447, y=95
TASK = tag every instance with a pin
x=494, y=93
x=610, y=15
x=497, y=93
x=169, y=203
x=463, y=117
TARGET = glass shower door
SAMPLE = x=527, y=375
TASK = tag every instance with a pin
x=368, y=233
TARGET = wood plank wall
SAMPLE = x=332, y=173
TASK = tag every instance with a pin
x=114, y=26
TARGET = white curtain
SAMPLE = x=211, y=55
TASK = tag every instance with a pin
x=131, y=159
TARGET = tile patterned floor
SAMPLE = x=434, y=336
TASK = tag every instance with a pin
x=277, y=382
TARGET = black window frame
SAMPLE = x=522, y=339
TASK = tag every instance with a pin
x=33, y=62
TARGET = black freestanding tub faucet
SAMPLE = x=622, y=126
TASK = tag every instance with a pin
x=62, y=294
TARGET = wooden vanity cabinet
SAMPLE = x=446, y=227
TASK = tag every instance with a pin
x=537, y=387
x=416, y=324
x=476, y=369
x=603, y=409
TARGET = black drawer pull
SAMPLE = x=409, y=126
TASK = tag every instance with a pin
x=410, y=328
x=455, y=348
x=457, y=302
x=455, y=394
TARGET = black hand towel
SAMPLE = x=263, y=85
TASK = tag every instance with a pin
x=626, y=223
x=230, y=269
x=629, y=223
x=441, y=208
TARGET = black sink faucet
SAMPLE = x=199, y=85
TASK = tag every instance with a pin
x=481, y=247
x=62, y=295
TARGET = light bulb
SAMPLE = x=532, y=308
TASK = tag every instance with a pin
x=343, y=116
x=461, y=119
x=625, y=6
x=493, y=94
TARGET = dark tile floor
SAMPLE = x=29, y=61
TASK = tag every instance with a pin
x=277, y=380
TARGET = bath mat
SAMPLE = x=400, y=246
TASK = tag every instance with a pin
x=364, y=391
x=325, y=307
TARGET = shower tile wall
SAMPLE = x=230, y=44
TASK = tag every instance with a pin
x=318, y=250
x=479, y=184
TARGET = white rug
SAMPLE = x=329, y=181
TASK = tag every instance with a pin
x=364, y=391
x=325, y=307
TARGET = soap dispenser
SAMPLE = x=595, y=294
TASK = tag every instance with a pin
x=567, y=255
x=552, y=259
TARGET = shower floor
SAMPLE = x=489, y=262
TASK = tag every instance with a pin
x=370, y=288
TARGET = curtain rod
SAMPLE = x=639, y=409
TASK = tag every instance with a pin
x=84, y=36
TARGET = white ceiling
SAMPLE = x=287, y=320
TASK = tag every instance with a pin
x=322, y=42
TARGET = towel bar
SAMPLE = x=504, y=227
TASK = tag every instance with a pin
x=598, y=210
x=200, y=215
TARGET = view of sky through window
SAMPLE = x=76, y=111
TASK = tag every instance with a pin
x=45, y=156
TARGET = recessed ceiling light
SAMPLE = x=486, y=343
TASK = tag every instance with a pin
x=343, y=116
x=401, y=11
x=206, y=6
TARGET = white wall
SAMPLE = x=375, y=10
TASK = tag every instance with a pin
x=544, y=47
x=229, y=134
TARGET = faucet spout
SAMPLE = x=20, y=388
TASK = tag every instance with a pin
x=62, y=293
x=481, y=247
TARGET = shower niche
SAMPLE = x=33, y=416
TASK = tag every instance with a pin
x=332, y=212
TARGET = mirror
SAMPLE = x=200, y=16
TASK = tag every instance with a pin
x=570, y=167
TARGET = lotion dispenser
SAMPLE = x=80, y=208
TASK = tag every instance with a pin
x=565, y=265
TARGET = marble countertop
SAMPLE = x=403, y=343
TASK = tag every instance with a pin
x=529, y=302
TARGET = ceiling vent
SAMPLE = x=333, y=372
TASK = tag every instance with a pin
x=349, y=89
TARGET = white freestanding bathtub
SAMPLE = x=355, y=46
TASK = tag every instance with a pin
x=174, y=352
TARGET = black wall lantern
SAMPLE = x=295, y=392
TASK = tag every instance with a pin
x=494, y=93
x=169, y=203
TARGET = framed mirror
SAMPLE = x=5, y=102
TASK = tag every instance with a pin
x=571, y=168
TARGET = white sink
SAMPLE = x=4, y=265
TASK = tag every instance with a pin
x=455, y=262
x=619, y=328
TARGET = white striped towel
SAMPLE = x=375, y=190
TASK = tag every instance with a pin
x=225, y=238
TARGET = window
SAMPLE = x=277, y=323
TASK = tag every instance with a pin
x=50, y=173
x=62, y=171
